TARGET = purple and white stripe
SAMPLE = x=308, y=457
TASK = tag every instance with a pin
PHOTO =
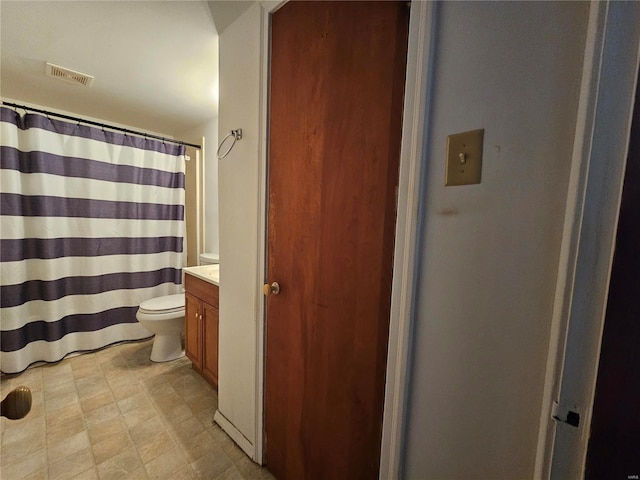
x=92, y=225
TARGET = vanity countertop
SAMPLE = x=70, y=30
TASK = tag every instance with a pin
x=208, y=273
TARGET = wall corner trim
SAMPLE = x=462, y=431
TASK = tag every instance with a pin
x=416, y=106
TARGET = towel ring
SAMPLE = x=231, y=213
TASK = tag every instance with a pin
x=237, y=135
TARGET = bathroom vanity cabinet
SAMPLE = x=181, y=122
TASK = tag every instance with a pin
x=201, y=326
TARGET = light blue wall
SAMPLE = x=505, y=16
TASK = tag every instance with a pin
x=489, y=252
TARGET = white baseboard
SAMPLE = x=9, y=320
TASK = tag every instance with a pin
x=236, y=435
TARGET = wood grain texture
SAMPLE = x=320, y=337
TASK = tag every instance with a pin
x=337, y=86
x=193, y=330
x=210, y=343
x=201, y=326
x=206, y=291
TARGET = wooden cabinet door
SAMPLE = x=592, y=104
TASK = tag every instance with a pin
x=210, y=345
x=337, y=87
x=193, y=329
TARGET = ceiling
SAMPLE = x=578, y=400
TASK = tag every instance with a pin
x=155, y=63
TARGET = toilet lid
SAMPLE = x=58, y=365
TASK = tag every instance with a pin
x=209, y=258
x=166, y=304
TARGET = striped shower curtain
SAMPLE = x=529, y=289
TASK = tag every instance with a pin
x=91, y=225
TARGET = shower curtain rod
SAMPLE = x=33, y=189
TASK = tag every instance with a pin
x=101, y=125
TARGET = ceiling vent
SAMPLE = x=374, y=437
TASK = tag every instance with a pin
x=68, y=75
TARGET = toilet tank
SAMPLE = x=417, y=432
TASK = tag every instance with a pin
x=209, y=259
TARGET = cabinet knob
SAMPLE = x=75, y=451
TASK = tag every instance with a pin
x=273, y=289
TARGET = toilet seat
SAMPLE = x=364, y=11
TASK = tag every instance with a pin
x=164, y=317
x=163, y=305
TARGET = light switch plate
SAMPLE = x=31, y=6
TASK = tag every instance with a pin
x=464, y=158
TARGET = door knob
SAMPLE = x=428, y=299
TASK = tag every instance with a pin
x=273, y=289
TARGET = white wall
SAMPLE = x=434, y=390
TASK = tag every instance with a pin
x=489, y=252
x=239, y=225
x=208, y=130
x=69, y=113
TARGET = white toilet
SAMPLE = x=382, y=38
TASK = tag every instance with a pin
x=209, y=259
x=164, y=316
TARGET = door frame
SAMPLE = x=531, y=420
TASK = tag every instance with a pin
x=590, y=193
x=413, y=148
x=610, y=73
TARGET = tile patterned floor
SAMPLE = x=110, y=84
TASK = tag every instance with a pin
x=113, y=414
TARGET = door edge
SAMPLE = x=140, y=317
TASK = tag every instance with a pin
x=589, y=238
x=418, y=88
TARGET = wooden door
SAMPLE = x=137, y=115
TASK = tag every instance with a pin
x=210, y=345
x=337, y=87
x=614, y=444
x=193, y=330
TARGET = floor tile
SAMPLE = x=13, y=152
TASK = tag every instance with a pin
x=115, y=414
x=138, y=474
x=61, y=448
x=60, y=431
x=163, y=466
x=168, y=402
x=231, y=473
x=233, y=451
x=151, y=447
x=118, y=378
x=137, y=415
x=101, y=414
x=103, y=430
x=26, y=445
x=91, y=474
x=92, y=385
x=119, y=466
x=83, y=370
x=212, y=465
x=187, y=428
x=63, y=415
x=61, y=399
x=126, y=390
x=111, y=446
x=137, y=400
x=149, y=428
x=198, y=446
x=185, y=473
x=26, y=465
x=14, y=431
x=42, y=474
x=251, y=470
x=159, y=389
x=53, y=379
x=179, y=414
x=71, y=465
x=60, y=388
x=201, y=402
x=91, y=404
